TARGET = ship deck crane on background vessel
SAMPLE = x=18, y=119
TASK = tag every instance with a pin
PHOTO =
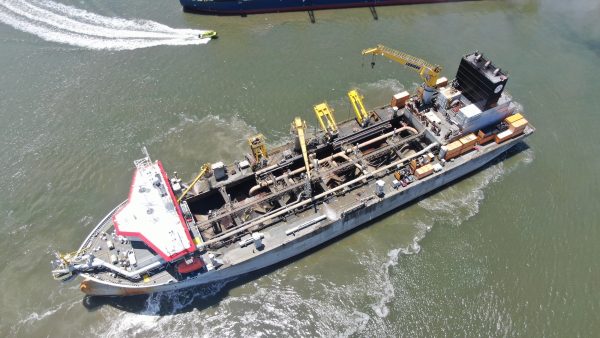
x=428, y=72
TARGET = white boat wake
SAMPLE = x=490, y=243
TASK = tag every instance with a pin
x=60, y=23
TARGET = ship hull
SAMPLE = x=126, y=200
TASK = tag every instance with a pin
x=320, y=235
x=270, y=6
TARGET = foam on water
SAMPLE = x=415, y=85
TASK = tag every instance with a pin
x=455, y=205
x=35, y=316
x=452, y=205
x=160, y=315
x=393, y=85
x=270, y=307
x=60, y=23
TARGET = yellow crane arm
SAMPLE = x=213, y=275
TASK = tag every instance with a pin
x=428, y=72
x=300, y=126
x=205, y=168
x=359, y=108
x=325, y=117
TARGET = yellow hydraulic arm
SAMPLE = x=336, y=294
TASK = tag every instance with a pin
x=300, y=126
x=428, y=72
x=203, y=170
x=359, y=108
x=326, y=119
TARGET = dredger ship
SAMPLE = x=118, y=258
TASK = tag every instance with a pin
x=273, y=204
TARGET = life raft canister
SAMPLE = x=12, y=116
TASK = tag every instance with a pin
x=196, y=264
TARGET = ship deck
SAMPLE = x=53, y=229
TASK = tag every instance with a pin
x=273, y=200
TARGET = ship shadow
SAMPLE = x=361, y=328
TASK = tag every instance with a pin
x=202, y=297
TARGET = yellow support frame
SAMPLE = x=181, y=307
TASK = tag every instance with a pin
x=359, y=108
x=325, y=117
x=300, y=126
x=258, y=147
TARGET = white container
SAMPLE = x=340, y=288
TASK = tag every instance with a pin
x=443, y=151
x=468, y=114
x=487, y=118
x=448, y=96
x=379, y=187
x=244, y=165
x=257, y=238
x=131, y=258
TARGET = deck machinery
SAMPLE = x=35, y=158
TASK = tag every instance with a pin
x=277, y=203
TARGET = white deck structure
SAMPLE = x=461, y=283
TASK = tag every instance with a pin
x=151, y=214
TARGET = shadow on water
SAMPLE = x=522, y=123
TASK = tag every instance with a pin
x=203, y=297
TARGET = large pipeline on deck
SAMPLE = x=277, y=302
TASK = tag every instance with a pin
x=129, y=274
x=323, y=194
x=341, y=154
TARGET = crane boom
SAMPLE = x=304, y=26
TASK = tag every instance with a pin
x=428, y=72
x=205, y=168
x=300, y=127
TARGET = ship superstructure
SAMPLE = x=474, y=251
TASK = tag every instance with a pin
x=274, y=204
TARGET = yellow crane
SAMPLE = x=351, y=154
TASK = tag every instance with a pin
x=326, y=119
x=203, y=170
x=359, y=108
x=428, y=72
x=300, y=127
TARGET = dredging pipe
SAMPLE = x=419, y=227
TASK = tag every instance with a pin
x=341, y=154
x=311, y=200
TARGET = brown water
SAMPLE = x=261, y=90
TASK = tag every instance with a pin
x=509, y=251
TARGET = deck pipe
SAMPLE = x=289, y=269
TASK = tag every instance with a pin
x=97, y=262
x=341, y=154
x=323, y=194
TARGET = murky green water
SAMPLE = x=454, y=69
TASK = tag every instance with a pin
x=510, y=251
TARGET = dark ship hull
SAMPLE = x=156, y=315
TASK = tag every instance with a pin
x=243, y=7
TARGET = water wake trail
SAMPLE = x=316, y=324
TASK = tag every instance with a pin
x=60, y=23
x=453, y=205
